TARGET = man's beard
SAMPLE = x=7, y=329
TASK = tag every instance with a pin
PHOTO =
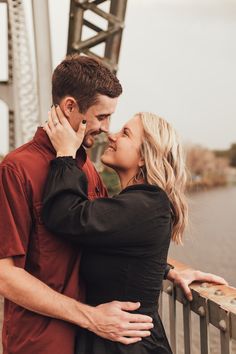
x=89, y=140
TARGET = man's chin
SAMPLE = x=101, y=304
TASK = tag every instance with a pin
x=88, y=141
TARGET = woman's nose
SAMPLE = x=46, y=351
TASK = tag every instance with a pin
x=112, y=137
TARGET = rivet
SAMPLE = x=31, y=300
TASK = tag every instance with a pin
x=218, y=292
x=201, y=311
x=233, y=301
x=222, y=325
x=169, y=290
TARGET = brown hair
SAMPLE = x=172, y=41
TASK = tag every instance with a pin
x=83, y=78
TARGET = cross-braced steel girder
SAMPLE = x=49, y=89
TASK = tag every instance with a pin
x=27, y=93
x=111, y=35
x=19, y=91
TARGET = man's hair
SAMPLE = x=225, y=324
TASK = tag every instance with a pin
x=83, y=78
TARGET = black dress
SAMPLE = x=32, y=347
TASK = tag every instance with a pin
x=125, y=241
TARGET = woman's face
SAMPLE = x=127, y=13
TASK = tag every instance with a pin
x=123, y=151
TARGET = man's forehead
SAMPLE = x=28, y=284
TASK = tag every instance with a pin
x=104, y=105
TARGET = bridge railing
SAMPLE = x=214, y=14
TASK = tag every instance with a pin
x=214, y=305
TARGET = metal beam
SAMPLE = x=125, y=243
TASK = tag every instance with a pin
x=43, y=55
x=111, y=35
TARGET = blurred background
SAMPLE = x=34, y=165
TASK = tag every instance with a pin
x=177, y=59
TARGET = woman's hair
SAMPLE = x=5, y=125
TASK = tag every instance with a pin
x=83, y=78
x=165, y=167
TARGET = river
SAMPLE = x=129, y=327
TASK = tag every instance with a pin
x=210, y=242
x=209, y=245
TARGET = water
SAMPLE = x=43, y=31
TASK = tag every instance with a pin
x=210, y=244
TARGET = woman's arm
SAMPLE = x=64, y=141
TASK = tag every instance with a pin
x=104, y=221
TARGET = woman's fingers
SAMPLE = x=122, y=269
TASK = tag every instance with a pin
x=60, y=116
x=47, y=130
x=52, y=125
x=81, y=131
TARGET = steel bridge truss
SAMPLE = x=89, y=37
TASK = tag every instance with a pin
x=110, y=35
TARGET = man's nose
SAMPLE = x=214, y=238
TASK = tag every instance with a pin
x=105, y=126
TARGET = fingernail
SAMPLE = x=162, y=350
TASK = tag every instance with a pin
x=84, y=121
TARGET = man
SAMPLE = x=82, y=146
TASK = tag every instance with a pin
x=38, y=272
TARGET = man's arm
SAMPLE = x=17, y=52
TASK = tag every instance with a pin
x=110, y=320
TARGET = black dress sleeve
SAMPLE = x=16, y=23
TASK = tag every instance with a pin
x=104, y=221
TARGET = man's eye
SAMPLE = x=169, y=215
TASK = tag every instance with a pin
x=101, y=118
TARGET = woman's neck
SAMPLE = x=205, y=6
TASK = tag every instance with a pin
x=128, y=179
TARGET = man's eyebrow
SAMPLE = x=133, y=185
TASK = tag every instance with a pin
x=103, y=115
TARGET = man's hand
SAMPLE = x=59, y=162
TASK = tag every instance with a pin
x=113, y=322
x=183, y=278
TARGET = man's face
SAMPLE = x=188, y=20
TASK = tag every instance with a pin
x=98, y=118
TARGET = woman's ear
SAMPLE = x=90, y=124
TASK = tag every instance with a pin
x=141, y=162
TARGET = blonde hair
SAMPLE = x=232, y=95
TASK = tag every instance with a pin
x=165, y=167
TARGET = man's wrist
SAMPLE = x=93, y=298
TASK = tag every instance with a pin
x=84, y=314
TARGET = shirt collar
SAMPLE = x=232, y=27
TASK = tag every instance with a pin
x=43, y=142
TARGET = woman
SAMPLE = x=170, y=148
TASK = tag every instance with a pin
x=126, y=238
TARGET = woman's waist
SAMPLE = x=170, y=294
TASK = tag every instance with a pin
x=146, y=307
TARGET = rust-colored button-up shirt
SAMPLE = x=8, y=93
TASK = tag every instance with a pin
x=24, y=237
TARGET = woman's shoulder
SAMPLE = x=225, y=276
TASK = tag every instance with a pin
x=146, y=191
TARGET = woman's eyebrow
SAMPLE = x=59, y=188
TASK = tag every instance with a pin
x=130, y=131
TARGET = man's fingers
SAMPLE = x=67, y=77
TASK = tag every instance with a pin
x=139, y=326
x=125, y=340
x=142, y=334
x=129, y=306
x=131, y=317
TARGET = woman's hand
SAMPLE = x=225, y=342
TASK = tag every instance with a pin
x=64, y=139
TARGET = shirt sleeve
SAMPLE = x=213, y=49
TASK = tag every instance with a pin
x=15, y=217
x=104, y=221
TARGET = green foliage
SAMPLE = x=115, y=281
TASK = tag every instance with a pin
x=111, y=181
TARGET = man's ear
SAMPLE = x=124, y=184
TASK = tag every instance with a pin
x=68, y=104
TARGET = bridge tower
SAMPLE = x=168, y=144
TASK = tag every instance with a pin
x=27, y=91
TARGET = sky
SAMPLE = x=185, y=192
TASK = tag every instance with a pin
x=177, y=60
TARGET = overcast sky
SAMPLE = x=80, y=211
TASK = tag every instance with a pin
x=177, y=60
